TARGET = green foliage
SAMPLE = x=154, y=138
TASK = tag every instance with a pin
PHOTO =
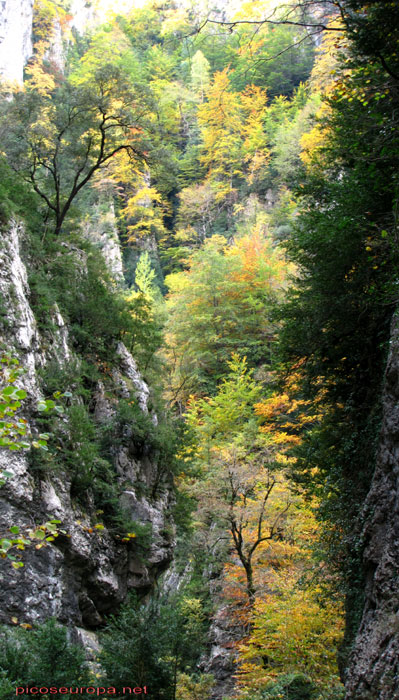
x=221, y=305
x=82, y=447
x=82, y=457
x=98, y=315
x=130, y=425
x=15, y=433
x=195, y=686
x=224, y=417
x=182, y=514
x=18, y=539
x=76, y=280
x=59, y=133
x=16, y=199
x=131, y=651
x=374, y=34
x=86, y=449
x=336, y=693
x=214, y=140
x=290, y=687
x=149, y=644
x=132, y=532
x=41, y=657
x=76, y=377
x=146, y=307
x=145, y=275
x=200, y=73
x=337, y=319
x=281, y=60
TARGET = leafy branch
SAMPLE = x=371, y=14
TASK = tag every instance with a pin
x=15, y=435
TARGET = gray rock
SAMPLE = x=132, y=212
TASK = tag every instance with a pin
x=101, y=229
x=373, y=672
x=15, y=37
x=87, y=572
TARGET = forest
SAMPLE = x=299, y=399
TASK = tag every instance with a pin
x=242, y=158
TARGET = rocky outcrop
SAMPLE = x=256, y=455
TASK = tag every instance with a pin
x=83, y=14
x=87, y=14
x=374, y=668
x=223, y=637
x=16, y=33
x=15, y=37
x=225, y=633
x=102, y=231
x=88, y=571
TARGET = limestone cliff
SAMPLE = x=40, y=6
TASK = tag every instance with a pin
x=374, y=669
x=88, y=571
x=15, y=37
x=16, y=33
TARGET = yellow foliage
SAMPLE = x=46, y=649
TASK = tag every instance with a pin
x=108, y=46
x=232, y=127
x=39, y=79
x=311, y=143
x=219, y=118
x=176, y=20
x=253, y=101
x=46, y=15
x=324, y=72
x=295, y=630
x=194, y=687
x=325, y=77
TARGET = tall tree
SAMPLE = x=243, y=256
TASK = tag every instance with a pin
x=345, y=245
x=58, y=132
x=220, y=305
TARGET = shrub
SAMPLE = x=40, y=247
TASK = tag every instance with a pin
x=151, y=644
x=132, y=648
x=41, y=657
x=76, y=278
x=77, y=377
x=16, y=198
x=293, y=686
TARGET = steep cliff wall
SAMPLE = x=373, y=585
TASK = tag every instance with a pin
x=89, y=571
x=15, y=37
x=374, y=670
x=16, y=33
x=83, y=14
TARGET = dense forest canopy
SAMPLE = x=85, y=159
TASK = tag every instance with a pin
x=248, y=159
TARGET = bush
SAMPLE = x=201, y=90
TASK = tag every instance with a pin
x=132, y=648
x=17, y=198
x=335, y=693
x=195, y=687
x=77, y=377
x=130, y=427
x=42, y=657
x=293, y=686
x=99, y=316
x=150, y=644
x=75, y=277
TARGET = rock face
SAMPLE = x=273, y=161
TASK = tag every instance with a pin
x=374, y=669
x=101, y=229
x=15, y=37
x=88, y=571
x=83, y=14
x=16, y=33
x=221, y=660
